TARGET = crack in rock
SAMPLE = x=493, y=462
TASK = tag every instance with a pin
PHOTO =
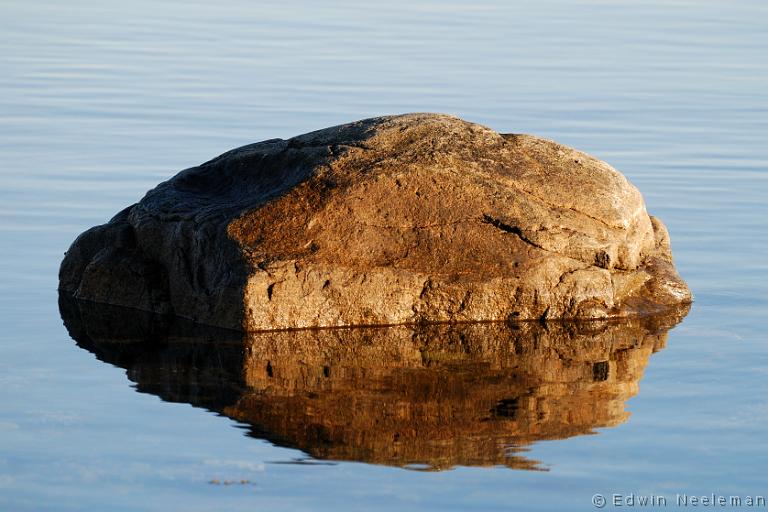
x=508, y=228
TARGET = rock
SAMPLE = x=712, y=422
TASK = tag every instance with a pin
x=402, y=219
x=436, y=396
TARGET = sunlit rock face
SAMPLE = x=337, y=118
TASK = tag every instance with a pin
x=431, y=396
x=400, y=219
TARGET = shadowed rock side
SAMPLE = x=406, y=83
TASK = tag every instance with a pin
x=436, y=396
x=402, y=219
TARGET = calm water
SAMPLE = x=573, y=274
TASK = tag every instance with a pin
x=101, y=100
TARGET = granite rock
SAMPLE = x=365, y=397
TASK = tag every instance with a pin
x=401, y=219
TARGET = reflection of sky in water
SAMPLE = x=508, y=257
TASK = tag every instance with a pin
x=98, y=102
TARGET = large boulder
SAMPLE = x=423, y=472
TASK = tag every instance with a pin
x=401, y=219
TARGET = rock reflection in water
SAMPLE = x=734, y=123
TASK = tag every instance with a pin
x=432, y=396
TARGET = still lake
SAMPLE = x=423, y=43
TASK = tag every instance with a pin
x=99, y=101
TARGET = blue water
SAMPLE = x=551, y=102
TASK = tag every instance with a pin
x=99, y=101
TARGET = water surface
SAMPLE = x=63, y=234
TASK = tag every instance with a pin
x=101, y=100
